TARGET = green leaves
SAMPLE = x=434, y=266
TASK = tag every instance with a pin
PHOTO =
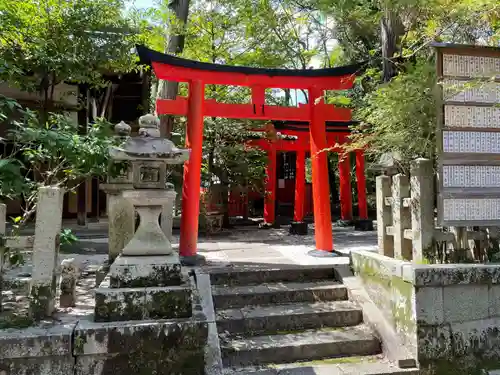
x=46, y=42
x=52, y=153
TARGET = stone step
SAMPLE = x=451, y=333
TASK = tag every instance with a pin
x=226, y=297
x=370, y=367
x=304, y=346
x=249, y=275
x=252, y=320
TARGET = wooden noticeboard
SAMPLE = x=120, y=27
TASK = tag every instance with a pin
x=468, y=135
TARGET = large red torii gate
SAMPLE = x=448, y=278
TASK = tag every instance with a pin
x=196, y=107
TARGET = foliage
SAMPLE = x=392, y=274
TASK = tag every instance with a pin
x=400, y=116
x=47, y=42
x=52, y=153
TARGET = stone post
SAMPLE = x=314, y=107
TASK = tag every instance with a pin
x=70, y=272
x=384, y=216
x=45, y=251
x=121, y=214
x=401, y=218
x=422, y=207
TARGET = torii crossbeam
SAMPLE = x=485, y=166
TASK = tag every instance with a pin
x=196, y=107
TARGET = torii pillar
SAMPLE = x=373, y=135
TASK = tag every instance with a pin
x=320, y=183
x=192, y=174
x=298, y=226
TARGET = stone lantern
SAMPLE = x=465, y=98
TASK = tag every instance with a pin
x=149, y=155
x=146, y=280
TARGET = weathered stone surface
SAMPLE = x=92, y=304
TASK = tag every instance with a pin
x=119, y=304
x=434, y=342
x=45, y=250
x=169, y=362
x=174, y=347
x=36, y=342
x=494, y=301
x=429, y=305
x=121, y=218
x=62, y=365
x=149, y=239
x=465, y=302
x=271, y=319
x=231, y=297
x=70, y=272
x=386, y=282
x=480, y=338
x=304, y=346
x=456, y=274
x=168, y=302
x=130, y=272
x=262, y=275
x=143, y=303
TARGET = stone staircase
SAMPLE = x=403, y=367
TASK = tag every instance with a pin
x=293, y=320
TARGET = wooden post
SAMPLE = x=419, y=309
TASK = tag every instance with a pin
x=422, y=207
x=384, y=216
x=401, y=218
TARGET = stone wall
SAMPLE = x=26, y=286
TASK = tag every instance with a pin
x=447, y=315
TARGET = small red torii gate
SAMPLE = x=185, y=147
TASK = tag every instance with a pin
x=301, y=145
x=196, y=107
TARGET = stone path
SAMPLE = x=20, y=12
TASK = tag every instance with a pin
x=251, y=245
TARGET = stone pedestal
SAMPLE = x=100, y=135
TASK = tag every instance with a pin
x=149, y=239
x=144, y=287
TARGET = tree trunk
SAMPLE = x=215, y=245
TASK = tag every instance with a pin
x=175, y=45
x=391, y=30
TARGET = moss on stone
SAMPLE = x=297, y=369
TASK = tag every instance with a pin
x=15, y=321
x=111, y=308
x=160, y=276
x=166, y=304
x=41, y=297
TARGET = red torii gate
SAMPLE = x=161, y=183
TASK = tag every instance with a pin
x=196, y=107
x=335, y=136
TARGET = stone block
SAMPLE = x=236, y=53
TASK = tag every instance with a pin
x=62, y=365
x=479, y=338
x=169, y=302
x=119, y=304
x=453, y=274
x=465, y=302
x=93, y=339
x=429, y=305
x=434, y=342
x=145, y=271
x=158, y=362
x=36, y=342
x=494, y=301
x=143, y=303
